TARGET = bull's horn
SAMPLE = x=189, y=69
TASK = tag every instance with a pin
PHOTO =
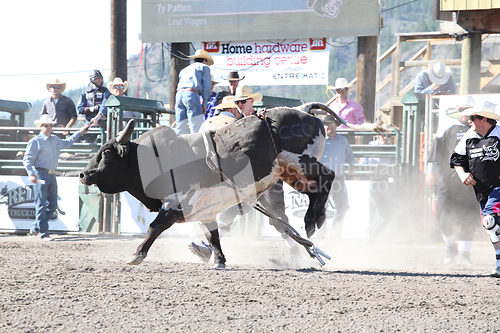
x=124, y=135
x=315, y=106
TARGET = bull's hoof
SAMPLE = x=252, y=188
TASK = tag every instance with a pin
x=220, y=266
x=320, y=221
x=136, y=259
x=310, y=229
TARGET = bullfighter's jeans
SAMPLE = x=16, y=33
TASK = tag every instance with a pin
x=187, y=109
x=45, y=202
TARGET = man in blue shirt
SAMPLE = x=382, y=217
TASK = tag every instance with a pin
x=436, y=80
x=337, y=153
x=194, y=81
x=40, y=162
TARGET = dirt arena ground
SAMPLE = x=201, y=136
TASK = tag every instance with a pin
x=82, y=284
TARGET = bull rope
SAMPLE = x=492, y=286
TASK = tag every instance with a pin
x=213, y=161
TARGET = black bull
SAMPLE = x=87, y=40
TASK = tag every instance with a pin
x=170, y=174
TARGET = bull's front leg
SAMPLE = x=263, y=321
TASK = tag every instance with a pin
x=211, y=231
x=318, y=196
x=164, y=220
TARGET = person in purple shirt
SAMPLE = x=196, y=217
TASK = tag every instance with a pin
x=194, y=81
x=346, y=108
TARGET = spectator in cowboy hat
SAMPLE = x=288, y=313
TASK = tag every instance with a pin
x=244, y=98
x=40, y=162
x=118, y=88
x=436, y=79
x=234, y=79
x=60, y=108
x=194, y=81
x=346, y=108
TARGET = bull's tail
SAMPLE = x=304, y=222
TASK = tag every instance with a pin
x=308, y=107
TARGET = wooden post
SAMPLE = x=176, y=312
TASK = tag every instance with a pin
x=367, y=75
x=396, y=73
x=179, y=51
x=471, y=65
x=118, y=39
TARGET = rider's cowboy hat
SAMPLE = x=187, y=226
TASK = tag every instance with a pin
x=226, y=103
x=44, y=119
x=204, y=55
x=234, y=76
x=245, y=92
x=439, y=73
x=56, y=83
x=486, y=110
x=116, y=82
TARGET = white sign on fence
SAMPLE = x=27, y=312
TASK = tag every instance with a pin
x=17, y=207
x=356, y=223
x=284, y=62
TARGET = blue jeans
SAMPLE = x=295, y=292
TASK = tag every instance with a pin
x=492, y=204
x=187, y=109
x=45, y=202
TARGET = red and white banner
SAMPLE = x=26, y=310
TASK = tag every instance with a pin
x=288, y=62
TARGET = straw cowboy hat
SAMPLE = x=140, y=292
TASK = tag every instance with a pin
x=56, y=83
x=486, y=109
x=44, y=119
x=453, y=111
x=439, y=73
x=117, y=81
x=226, y=103
x=216, y=122
x=204, y=55
x=245, y=92
x=341, y=83
x=234, y=76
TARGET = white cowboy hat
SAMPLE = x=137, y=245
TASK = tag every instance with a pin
x=439, y=73
x=341, y=83
x=117, y=81
x=486, y=110
x=226, y=103
x=245, y=92
x=44, y=119
x=453, y=111
x=56, y=83
x=204, y=55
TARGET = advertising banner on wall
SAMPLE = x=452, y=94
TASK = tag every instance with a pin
x=237, y=20
x=135, y=218
x=17, y=207
x=284, y=62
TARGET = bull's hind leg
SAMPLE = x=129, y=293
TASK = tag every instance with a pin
x=317, y=191
x=211, y=231
x=164, y=220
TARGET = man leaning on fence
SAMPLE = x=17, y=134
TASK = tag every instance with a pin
x=40, y=162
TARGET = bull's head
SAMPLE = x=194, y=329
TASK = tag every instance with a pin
x=112, y=167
